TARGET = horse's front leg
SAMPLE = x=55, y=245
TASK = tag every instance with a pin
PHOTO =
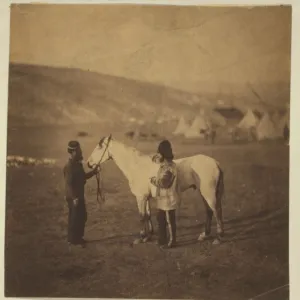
x=146, y=230
x=148, y=226
x=149, y=216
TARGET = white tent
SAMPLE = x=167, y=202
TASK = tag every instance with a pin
x=217, y=119
x=181, y=127
x=249, y=121
x=197, y=129
x=266, y=129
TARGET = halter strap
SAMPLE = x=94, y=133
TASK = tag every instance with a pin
x=98, y=178
x=108, y=141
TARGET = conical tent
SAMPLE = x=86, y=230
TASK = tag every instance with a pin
x=181, y=127
x=197, y=128
x=207, y=117
x=266, y=129
x=212, y=117
x=217, y=119
x=249, y=121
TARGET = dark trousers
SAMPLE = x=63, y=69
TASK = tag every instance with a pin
x=76, y=221
x=166, y=226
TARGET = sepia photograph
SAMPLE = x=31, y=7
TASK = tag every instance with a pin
x=148, y=151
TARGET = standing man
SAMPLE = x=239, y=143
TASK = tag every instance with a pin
x=75, y=179
x=286, y=133
x=166, y=194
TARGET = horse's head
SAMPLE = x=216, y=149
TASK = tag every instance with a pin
x=101, y=152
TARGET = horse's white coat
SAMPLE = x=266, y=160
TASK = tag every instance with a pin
x=199, y=170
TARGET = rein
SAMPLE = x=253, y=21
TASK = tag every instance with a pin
x=99, y=189
x=98, y=177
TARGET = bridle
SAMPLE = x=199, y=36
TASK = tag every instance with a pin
x=98, y=177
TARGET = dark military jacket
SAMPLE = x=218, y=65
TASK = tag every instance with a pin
x=75, y=179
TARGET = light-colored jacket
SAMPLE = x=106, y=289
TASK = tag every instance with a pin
x=167, y=189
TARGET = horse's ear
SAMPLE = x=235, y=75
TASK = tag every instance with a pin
x=109, y=137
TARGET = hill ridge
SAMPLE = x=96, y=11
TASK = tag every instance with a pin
x=49, y=95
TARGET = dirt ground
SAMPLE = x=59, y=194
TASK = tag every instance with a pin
x=252, y=259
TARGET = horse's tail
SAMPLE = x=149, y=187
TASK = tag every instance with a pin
x=220, y=190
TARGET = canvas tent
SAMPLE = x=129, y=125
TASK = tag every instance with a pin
x=212, y=117
x=217, y=119
x=266, y=129
x=198, y=128
x=181, y=127
x=249, y=121
x=246, y=128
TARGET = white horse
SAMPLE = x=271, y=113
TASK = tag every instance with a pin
x=200, y=172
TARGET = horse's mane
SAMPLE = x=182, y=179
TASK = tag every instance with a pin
x=133, y=150
x=101, y=141
x=136, y=157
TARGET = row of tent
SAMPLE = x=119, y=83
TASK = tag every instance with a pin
x=200, y=125
x=266, y=127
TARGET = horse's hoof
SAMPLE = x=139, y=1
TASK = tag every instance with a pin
x=203, y=237
x=146, y=239
x=137, y=241
x=216, y=241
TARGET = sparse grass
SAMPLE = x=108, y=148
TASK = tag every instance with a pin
x=252, y=259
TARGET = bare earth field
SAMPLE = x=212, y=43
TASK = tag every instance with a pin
x=252, y=259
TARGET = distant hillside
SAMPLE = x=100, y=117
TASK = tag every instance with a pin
x=44, y=95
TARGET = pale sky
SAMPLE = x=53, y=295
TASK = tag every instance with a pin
x=188, y=48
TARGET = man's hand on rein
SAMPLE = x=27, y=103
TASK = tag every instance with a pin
x=75, y=202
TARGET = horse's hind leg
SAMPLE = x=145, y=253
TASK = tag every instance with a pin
x=219, y=218
x=218, y=211
x=220, y=228
x=209, y=213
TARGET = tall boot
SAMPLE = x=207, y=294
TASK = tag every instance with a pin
x=171, y=221
x=162, y=230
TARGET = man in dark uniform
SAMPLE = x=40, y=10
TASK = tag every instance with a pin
x=167, y=195
x=75, y=179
